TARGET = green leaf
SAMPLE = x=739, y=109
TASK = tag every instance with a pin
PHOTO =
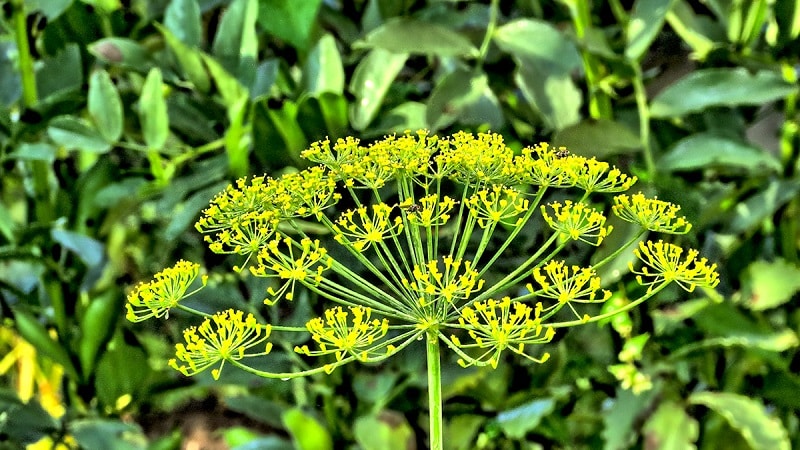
x=748, y=416
x=404, y=35
x=705, y=151
x=289, y=20
x=189, y=59
x=323, y=71
x=670, y=428
x=769, y=284
x=644, y=25
x=39, y=151
x=230, y=89
x=153, y=111
x=235, y=44
x=686, y=24
x=89, y=250
x=750, y=213
x=74, y=133
x=552, y=48
x=406, y=116
x=385, y=431
x=107, y=433
x=452, y=94
x=97, y=324
x=370, y=82
x=121, y=51
x=601, y=138
x=105, y=106
x=517, y=422
x=460, y=432
x=23, y=422
x=554, y=96
x=182, y=19
x=306, y=432
x=122, y=373
x=60, y=73
x=705, y=88
x=619, y=419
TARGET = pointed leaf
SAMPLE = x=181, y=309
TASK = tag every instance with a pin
x=371, y=80
x=153, y=111
x=419, y=37
x=189, y=59
x=749, y=214
x=704, y=151
x=748, y=416
x=644, y=25
x=182, y=19
x=601, y=138
x=385, y=431
x=37, y=335
x=683, y=20
x=235, y=39
x=323, y=70
x=105, y=106
x=289, y=20
x=552, y=46
x=452, y=94
x=122, y=51
x=517, y=422
x=554, y=96
x=715, y=87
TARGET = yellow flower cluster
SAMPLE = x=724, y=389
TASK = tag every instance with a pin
x=651, y=213
x=225, y=336
x=668, y=264
x=449, y=285
x=496, y=205
x=155, y=298
x=577, y=221
x=568, y=285
x=293, y=261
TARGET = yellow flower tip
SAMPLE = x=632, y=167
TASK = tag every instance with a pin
x=651, y=213
x=545, y=357
x=216, y=373
x=167, y=288
x=329, y=368
x=268, y=348
x=390, y=350
x=585, y=318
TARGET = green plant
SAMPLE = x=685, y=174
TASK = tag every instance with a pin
x=425, y=220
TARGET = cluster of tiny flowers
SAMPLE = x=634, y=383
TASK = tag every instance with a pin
x=412, y=252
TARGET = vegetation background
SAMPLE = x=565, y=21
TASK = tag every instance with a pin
x=120, y=119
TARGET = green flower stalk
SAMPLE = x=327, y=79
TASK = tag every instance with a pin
x=419, y=217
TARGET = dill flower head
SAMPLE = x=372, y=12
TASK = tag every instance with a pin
x=665, y=263
x=651, y=213
x=225, y=336
x=168, y=287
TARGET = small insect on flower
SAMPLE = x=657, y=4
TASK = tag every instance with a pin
x=562, y=153
x=412, y=208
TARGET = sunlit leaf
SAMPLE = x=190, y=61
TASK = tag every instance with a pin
x=289, y=20
x=644, y=25
x=671, y=428
x=417, y=37
x=372, y=78
x=600, y=138
x=555, y=97
x=552, y=46
x=518, y=421
x=748, y=214
x=769, y=284
x=323, y=69
x=182, y=19
x=306, y=432
x=385, y=431
x=77, y=134
x=153, y=111
x=105, y=106
x=452, y=94
x=747, y=416
x=705, y=151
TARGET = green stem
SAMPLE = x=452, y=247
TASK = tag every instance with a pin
x=487, y=38
x=599, y=102
x=644, y=120
x=434, y=390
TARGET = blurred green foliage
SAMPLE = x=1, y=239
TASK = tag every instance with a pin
x=119, y=120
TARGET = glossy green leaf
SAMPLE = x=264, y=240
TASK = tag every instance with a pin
x=289, y=20
x=705, y=151
x=686, y=24
x=750, y=213
x=182, y=19
x=228, y=86
x=460, y=431
x=554, y=97
x=769, y=284
x=153, y=111
x=385, y=431
x=644, y=25
x=74, y=133
x=485, y=111
x=49, y=8
x=552, y=47
x=36, y=334
x=108, y=433
x=452, y=94
x=370, y=82
x=279, y=136
x=105, y=106
x=706, y=88
x=747, y=416
x=89, y=250
x=518, y=421
x=97, y=324
x=601, y=138
x=306, y=432
x=323, y=70
x=411, y=36
x=121, y=51
x=189, y=59
x=671, y=428
x=619, y=419
x=123, y=371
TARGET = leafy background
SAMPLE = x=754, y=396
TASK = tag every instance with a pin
x=119, y=120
